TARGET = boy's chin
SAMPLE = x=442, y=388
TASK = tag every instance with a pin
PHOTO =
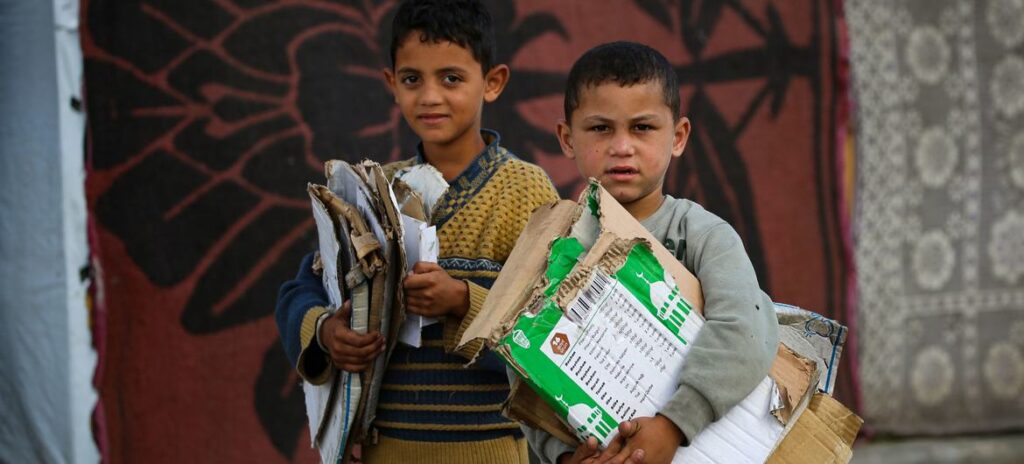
x=624, y=195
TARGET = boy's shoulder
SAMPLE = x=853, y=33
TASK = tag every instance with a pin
x=680, y=219
x=520, y=168
x=682, y=210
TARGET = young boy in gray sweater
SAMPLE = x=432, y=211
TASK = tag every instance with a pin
x=623, y=126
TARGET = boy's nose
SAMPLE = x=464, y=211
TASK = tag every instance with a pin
x=430, y=95
x=622, y=145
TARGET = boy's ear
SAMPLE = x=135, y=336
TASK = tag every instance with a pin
x=389, y=78
x=681, y=135
x=495, y=82
x=565, y=139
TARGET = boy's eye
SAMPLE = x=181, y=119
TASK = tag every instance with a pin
x=643, y=127
x=599, y=128
x=410, y=79
x=451, y=79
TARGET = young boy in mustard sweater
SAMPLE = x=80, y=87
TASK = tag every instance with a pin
x=623, y=126
x=431, y=407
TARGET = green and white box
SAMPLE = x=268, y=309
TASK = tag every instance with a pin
x=604, y=359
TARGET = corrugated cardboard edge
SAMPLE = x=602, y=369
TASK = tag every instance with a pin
x=793, y=375
x=523, y=271
x=616, y=220
x=822, y=433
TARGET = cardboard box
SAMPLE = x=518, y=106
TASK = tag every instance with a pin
x=598, y=324
x=823, y=433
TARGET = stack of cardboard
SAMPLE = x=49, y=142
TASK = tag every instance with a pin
x=362, y=258
x=598, y=323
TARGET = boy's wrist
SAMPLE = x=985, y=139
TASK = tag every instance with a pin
x=319, y=324
x=462, y=307
x=666, y=424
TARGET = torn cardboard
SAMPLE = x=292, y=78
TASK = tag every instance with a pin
x=598, y=323
x=823, y=433
x=815, y=337
x=363, y=260
x=349, y=256
x=524, y=271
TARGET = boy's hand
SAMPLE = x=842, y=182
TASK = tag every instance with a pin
x=610, y=453
x=585, y=453
x=431, y=292
x=348, y=349
x=652, y=440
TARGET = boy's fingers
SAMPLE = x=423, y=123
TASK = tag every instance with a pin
x=637, y=457
x=343, y=313
x=417, y=281
x=352, y=367
x=423, y=267
x=588, y=449
x=613, y=447
x=627, y=455
x=360, y=353
x=353, y=339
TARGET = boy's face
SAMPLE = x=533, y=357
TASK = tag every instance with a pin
x=440, y=89
x=625, y=137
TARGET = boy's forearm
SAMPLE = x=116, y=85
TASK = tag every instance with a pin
x=296, y=324
x=737, y=344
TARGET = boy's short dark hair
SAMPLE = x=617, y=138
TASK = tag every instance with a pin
x=626, y=64
x=463, y=22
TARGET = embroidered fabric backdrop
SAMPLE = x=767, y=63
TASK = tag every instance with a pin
x=207, y=118
x=940, y=222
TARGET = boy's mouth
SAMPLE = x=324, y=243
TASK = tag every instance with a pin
x=621, y=172
x=431, y=118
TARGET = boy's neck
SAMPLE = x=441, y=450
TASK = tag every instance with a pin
x=453, y=158
x=645, y=207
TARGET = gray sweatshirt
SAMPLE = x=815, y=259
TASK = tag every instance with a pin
x=734, y=350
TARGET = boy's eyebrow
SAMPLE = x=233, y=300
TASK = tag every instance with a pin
x=603, y=119
x=597, y=118
x=645, y=117
x=406, y=69
x=450, y=69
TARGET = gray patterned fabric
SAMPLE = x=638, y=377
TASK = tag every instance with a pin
x=939, y=225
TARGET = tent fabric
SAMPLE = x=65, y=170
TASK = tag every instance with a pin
x=208, y=117
x=940, y=214
x=46, y=361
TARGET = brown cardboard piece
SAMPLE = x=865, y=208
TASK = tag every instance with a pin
x=793, y=375
x=823, y=433
x=523, y=273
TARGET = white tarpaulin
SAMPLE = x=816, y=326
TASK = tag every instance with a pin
x=46, y=358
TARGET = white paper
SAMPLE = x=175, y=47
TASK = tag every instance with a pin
x=319, y=398
x=746, y=434
x=425, y=180
x=420, y=241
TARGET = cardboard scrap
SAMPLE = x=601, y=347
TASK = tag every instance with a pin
x=824, y=433
x=331, y=406
x=815, y=337
x=793, y=374
x=597, y=325
x=427, y=185
x=363, y=260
